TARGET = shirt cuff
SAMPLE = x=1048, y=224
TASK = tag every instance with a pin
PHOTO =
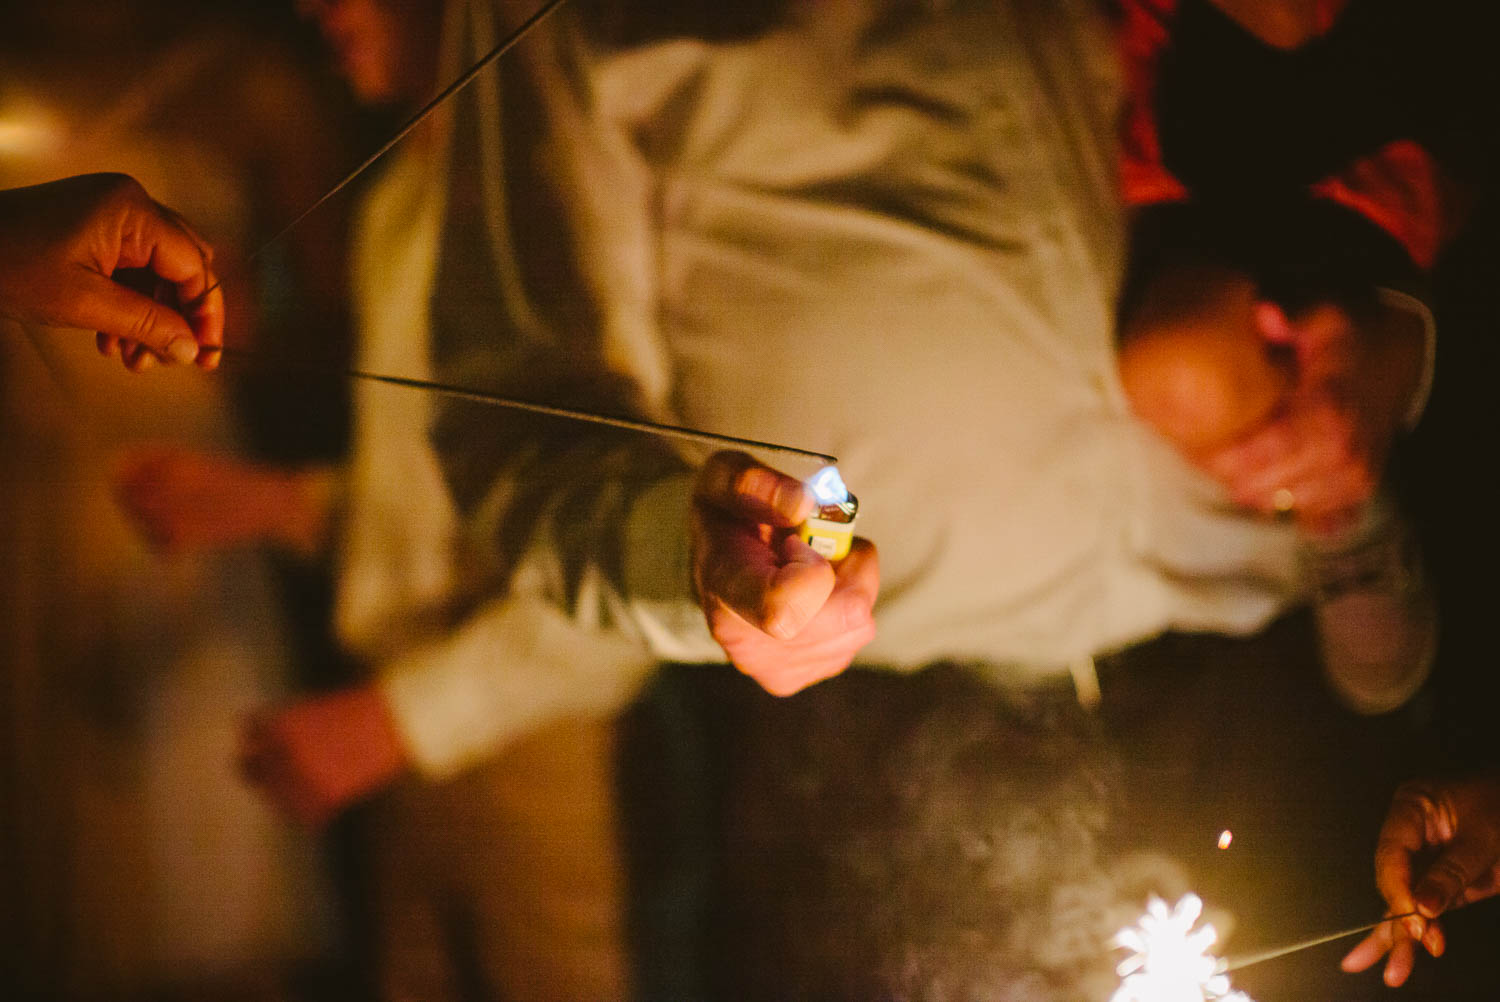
x=515, y=665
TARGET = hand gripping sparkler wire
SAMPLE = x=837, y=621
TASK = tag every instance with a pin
x=1229, y=964
x=1169, y=958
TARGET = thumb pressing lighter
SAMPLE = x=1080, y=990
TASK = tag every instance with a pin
x=829, y=530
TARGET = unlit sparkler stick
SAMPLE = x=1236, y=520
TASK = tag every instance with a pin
x=463, y=80
x=464, y=393
x=1236, y=963
x=496, y=400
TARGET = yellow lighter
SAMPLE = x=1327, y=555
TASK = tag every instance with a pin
x=829, y=530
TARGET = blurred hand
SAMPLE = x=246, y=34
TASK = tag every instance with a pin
x=1295, y=412
x=63, y=243
x=1439, y=848
x=785, y=616
x=1328, y=445
x=315, y=757
x=183, y=500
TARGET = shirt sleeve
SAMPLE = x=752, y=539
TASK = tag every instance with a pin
x=515, y=663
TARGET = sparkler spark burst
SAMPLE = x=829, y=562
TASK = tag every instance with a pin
x=1169, y=959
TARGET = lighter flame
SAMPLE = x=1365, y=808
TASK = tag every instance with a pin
x=828, y=487
x=1169, y=959
x=1225, y=838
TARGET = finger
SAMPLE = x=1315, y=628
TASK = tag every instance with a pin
x=158, y=239
x=1273, y=323
x=1369, y=950
x=200, y=296
x=139, y=358
x=732, y=562
x=775, y=590
x=1485, y=887
x=858, y=575
x=105, y=343
x=206, y=316
x=734, y=482
x=1317, y=334
x=1402, y=836
x=1464, y=862
x=1295, y=445
x=162, y=240
x=1272, y=444
x=205, y=249
x=1434, y=940
x=1402, y=959
x=798, y=589
x=115, y=311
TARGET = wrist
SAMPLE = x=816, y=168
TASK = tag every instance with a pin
x=372, y=745
x=305, y=500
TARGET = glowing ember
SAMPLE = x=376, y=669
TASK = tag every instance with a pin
x=1169, y=960
x=1225, y=837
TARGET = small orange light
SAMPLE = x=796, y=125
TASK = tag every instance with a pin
x=1225, y=837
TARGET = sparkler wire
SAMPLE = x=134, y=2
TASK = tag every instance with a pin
x=1236, y=963
x=496, y=400
x=466, y=393
x=462, y=81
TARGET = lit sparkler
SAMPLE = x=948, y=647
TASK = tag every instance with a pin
x=1169, y=959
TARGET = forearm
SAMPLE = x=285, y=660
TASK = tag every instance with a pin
x=516, y=663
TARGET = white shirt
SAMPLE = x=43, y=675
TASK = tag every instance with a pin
x=903, y=251
x=899, y=246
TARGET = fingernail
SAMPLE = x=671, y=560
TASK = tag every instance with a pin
x=781, y=627
x=183, y=350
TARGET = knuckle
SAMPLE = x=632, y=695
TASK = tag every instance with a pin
x=721, y=623
x=143, y=326
x=120, y=190
x=753, y=481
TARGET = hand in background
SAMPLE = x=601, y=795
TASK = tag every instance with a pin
x=785, y=616
x=1325, y=450
x=1439, y=848
x=315, y=757
x=62, y=245
x=1288, y=413
x=184, y=500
